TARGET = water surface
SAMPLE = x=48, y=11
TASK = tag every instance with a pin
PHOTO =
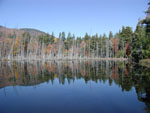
x=74, y=87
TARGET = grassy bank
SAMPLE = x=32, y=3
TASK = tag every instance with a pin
x=145, y=62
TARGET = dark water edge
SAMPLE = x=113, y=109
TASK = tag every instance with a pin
x=74, y=86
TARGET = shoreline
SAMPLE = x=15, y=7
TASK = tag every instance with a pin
x=65, y=59
x=145, y=62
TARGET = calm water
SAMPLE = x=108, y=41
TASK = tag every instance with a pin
x=74, y=87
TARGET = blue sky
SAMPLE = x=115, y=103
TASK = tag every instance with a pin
x=75, y=16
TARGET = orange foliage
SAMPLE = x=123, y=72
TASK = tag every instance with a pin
x=34, y=71
x=128, y=49
x=83, y=44
x=115, y=44
x=16, y=42
x=115, y=72
x=16, y=74
x=127, y=70
x=55, y=40
x=8, y=40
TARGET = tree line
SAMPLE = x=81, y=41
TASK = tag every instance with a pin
x=47, y=46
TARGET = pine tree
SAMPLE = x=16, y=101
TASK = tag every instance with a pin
x=138, y=43
x=110, y=35
x=147, y=21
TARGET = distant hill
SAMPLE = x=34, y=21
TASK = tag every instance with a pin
x=33, y=31
x=7, y=32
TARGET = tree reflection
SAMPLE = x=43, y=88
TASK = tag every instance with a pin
x=122, y=74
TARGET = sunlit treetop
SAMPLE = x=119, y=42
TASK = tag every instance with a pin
x=147, y=19
x=148, y=11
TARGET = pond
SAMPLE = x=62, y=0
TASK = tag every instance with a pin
x=74, y=87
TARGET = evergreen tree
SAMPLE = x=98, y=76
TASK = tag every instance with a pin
x=52, y=38
x=110, y=35
x=138, y=43
x=147, y=21
x=63, y=36
x=141, y=39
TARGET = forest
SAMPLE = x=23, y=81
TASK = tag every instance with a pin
x=31, y=44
